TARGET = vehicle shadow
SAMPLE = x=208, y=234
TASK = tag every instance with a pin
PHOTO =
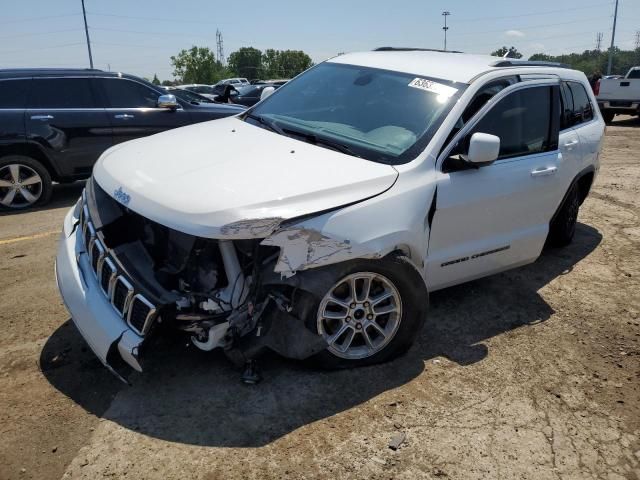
x=196, y=398
x=64, y=195
x=626, y=121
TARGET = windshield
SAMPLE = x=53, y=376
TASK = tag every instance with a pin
x=377, y=114
x=188, y=96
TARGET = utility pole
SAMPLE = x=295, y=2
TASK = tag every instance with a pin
x=613, y=38
x=86, y=31
x=220, y=46
x=599, y=41
x=637, y=39
x=445, y=14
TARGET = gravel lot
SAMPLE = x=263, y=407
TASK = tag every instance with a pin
x=530, y=374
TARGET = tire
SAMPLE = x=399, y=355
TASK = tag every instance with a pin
x=36, y=193
x=608, y=116
x=563, y=226
x=392, y=271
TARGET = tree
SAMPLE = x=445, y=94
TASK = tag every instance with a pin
x=511, y=52
x=156, y=80
x=591, y=61
x=197, y=65
x=246, y=62
x=289, y=63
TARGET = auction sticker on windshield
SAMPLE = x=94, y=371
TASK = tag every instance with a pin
x=433, y=87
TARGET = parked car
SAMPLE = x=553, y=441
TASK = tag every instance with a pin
x=204, y=90
x=619, y=96
x=234, y=81
x=188, y=95
x=249, y=95
x=55, y=123
x=317, y=223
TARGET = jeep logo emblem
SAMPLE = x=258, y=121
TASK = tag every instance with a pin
x=122, y=197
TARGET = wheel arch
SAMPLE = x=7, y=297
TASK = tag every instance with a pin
x=583, y=180
x=29, y=149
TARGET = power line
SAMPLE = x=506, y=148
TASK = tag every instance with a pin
x=530, y=27
x=158, y=19
x=582, y=7
x=31, y=34
x=35, y=19
x=41, y=48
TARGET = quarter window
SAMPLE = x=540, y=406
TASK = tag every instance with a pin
x=522, y=121
x=582, y=109
x=61, y=93
x=13, y=93
x=122, y=93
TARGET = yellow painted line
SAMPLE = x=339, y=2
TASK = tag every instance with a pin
x=28, y=237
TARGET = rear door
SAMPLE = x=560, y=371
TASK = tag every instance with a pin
x=586, y=124
x=133, y=110
x=13, y=97
x=65, y=118
x=495, y=217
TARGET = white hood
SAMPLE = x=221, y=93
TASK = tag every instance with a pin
x=211, y=178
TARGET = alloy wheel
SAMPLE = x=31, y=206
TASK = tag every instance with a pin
x=360, y=315
x=20, y=186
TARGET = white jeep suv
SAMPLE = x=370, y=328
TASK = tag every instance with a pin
x=316, y=223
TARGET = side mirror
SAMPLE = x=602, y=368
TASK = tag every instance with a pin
x=267, y=91
x=168, y=101
x=483, y=148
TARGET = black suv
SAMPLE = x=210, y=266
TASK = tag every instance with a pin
x=55, y=123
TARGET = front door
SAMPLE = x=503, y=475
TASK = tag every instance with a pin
x=133, y=109
x=496, y=216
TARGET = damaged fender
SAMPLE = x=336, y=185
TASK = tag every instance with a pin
x=302, y=248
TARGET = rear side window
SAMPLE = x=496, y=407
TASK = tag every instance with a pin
x=13, y=93
x=122, y=93
x=61, y=93
x=522, y=120
x=566, y=112
x=582, y=109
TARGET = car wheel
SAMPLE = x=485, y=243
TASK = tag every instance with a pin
x=563, y=226
x=608, y=116
x=24, y=183
x=370, y=312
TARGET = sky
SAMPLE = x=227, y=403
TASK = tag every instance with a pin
x=140, y=36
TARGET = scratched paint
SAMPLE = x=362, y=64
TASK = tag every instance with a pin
x=302, y=248
x=251, y=228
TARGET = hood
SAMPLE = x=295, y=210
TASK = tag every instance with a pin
x=230, y=179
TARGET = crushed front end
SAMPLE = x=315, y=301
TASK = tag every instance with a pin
x=125, y=278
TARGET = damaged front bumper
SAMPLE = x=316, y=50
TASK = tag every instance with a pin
x=102, y=327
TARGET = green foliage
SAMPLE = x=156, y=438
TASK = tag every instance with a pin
x=591, y=61
x=250, y=62
x=197, y=65
x=156, y=80
x=246, y=62
x=512, y=51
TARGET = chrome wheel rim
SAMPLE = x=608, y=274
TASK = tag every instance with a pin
x=360, y=315
x=20, y=186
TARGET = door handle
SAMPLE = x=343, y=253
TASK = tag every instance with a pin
x=41, y=117
x=123, y=116
x=571, y=143
x=544, y=171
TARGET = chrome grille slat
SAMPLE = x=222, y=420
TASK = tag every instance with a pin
x=133, y=303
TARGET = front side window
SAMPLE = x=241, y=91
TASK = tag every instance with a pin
x=582, y=109
x=61, y=93
x=522, y=121
x=122, y=93
x=380, y=115
x=13, y=93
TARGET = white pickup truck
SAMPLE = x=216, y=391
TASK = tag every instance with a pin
x=619, y=95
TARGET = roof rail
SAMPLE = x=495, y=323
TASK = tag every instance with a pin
x=510, y=62
x=411, y=49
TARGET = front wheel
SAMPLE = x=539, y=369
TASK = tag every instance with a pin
x=370, y=312
x=24, y=183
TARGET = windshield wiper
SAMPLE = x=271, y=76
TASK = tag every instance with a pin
x=316, y=140
x=262, y=121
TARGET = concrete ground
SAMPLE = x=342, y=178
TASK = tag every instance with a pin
x=530, y=374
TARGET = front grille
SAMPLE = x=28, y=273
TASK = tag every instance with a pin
x=134, y=308
x=140, y=315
